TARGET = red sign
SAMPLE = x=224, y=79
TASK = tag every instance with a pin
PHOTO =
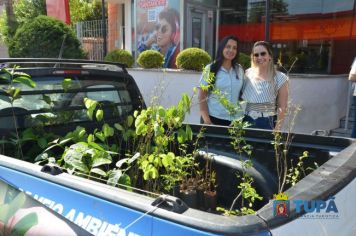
x=58, y=9
x=151, y=3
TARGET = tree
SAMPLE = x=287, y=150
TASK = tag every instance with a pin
x=8, y=23
x=29, y=9
x=258, y=9
x=43, y=37
x=19, y=12
x=84, y=10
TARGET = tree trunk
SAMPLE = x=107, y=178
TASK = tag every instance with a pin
x=11, y=19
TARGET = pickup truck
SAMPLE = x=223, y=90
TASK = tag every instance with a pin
x=320, y=203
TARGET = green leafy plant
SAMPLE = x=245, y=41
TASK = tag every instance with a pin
x=192, y=59
x=120, y=55
x=13, y=93
x=43, y=37
x=150, y=59
x=157, y=128
x=247, y=193
x=297, y=172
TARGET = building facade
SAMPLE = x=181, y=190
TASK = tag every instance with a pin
x=321, y=34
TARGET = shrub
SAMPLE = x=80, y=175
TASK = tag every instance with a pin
x=43, y=37
x=193, y=59
x=150, y=59
x=121, y=56
x=245, y=60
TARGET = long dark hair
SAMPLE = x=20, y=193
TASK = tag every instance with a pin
x=219, y=58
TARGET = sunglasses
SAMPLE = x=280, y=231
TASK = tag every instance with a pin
x=162, y=28
x=262, y=54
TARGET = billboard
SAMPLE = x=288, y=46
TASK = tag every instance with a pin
x=158, y=28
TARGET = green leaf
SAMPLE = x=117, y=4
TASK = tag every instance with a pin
x=42, y=143
x=90, y=138
x=16, y=93
x=99, y=114
x=41, y=157
x=121, y=162
x=5, y=74
x=140, y=128
x=154, y=172
x=151, y=158
x=25, y=80
x=98, y=171
x=118, y=127
x=167, y=160
x=74, y=154
x=114, y=177
x=107, y=130
x=96, y=146
x=46, y=99
x=101, y=158
x=66, y=84
x=90, y=104
x=81, y=132
x=90, y=113
x=125, y=180
x=189, y=132
x=28, y=134
x=22, y=226
x=100, y=136
x=181, y=136
x=64, y=141
x=162, y=112
x=129, y=121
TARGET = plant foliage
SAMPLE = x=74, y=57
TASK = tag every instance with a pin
x=121, y=56
x=193, y=59
x=43, y=37
x=150, y=59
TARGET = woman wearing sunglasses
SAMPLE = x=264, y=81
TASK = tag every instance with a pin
x=165, y=39
x=225, y=86
x=265, y=90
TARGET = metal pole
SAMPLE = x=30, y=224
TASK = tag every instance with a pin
x=217, y=28
x=348, y=104
x=267, y=21
x=350, y=91
x=103, y=19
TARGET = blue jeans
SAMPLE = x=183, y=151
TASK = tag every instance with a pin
x=261, y=122
x=353, y=134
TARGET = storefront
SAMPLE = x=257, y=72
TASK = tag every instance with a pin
x=320, y=33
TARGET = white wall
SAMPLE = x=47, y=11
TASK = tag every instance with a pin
x=322, y=98
x=168, y=86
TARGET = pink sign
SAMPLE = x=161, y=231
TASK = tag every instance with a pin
x=151, y=3
x=58, y=9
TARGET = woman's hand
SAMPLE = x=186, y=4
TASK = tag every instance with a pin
x=151, y=40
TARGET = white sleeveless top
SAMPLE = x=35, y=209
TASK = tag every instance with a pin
x=261, y=95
